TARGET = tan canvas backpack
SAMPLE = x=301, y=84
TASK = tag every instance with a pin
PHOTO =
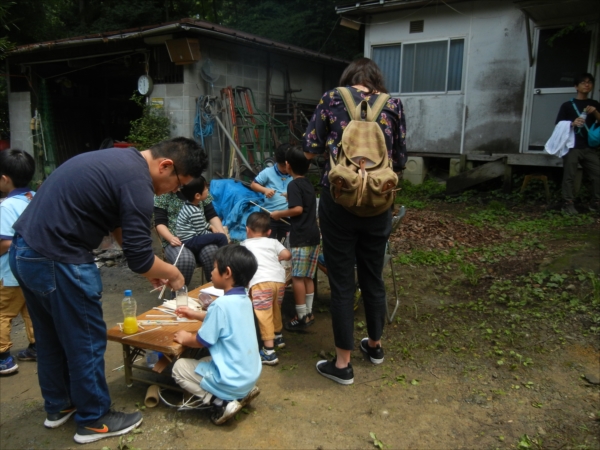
x=361, y=177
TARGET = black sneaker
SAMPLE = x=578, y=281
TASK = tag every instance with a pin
x=110, y=424
x=56, y=420
x=299, y=324
x=342, y=376
x=278, y=341
x=569, y=208
x=374, y=354
x=225, y=411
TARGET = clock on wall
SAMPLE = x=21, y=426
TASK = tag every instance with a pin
x=144, y=84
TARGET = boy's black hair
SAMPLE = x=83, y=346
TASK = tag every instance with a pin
x=18, y=165
x=259, y=222
x=196, y=186
x=280, y=153
x=582, y=77
x=297, y=161
x=240, y=260
x=188, y=156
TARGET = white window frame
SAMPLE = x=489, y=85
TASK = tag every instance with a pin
x=397, y=89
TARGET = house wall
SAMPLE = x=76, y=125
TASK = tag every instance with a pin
x=486, y=116
x=235, y=65
x=20, y=119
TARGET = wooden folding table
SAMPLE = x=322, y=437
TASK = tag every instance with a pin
x=160, y=340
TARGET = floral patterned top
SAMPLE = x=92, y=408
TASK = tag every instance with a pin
x=172, y=204
x=324, y=132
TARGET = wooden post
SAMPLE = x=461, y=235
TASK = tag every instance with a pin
x=463, y=164
x=507, y=185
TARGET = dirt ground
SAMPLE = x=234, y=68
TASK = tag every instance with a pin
x=462, y=369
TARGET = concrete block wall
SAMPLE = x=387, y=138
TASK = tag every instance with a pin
x=20, y=117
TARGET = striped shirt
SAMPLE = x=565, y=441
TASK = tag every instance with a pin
x=191, y=222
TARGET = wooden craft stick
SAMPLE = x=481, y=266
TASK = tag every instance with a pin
x=160, y=296
x=266, y=210
x=137, y=334
x=164, y=311
x=159, y=316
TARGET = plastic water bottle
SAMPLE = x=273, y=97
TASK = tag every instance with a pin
x=583, y=116
x=129, y=306
x=151, y=358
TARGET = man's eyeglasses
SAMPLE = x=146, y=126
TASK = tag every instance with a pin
x=179, y=185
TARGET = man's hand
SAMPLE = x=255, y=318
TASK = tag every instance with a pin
x=269, y=193
x=276, y=215
x=590, y=109
x=579, y=122
x=184, y=311
x=158, y=282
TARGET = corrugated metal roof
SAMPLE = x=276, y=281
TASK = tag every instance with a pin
x=191, y=25
x=361, y=7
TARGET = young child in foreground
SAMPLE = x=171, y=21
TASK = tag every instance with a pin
x=192, y=228
x=16, y=171
x=268, y=284
x=304, y=237
x=273, y=182
x=226, y=380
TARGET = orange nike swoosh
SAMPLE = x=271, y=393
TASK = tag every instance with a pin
x=104, y=429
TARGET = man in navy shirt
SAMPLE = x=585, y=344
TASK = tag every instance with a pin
x=582, y=153
x=86, y=198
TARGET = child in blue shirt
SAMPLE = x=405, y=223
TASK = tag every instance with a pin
x=16, y=171
x=225, y=380
x=273, y=182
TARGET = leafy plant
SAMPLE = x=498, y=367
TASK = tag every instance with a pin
x=154, y=126
x=376, y=442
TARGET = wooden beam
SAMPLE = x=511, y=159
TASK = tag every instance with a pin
x=475, y=176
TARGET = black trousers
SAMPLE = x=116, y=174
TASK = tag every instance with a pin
x=590, y=161
x=348, y=238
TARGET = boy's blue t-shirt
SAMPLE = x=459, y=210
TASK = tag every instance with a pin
x=272, y=178
x=228, y=331
x=10, y=210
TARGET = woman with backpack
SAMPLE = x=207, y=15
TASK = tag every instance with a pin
x=356, y=200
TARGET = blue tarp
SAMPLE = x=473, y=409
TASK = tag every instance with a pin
x=232, y=204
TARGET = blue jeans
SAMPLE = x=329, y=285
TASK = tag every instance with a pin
x=70, y=333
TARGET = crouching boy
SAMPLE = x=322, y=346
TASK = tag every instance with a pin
x=226, y=379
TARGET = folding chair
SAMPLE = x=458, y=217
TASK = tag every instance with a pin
x=387, y=259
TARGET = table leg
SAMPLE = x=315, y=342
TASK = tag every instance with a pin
x=127, y=363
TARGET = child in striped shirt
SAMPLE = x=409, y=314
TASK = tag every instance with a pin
x=192, y=228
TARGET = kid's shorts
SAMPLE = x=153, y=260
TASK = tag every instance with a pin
x=304, y=261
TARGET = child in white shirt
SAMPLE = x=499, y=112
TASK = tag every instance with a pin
x=268, y=284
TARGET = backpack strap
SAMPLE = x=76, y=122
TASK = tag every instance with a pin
x=378, y=106
x=579, y=114
x=348, y=101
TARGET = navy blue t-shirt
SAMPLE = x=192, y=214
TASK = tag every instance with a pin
x=305, y=232
x=85, y=199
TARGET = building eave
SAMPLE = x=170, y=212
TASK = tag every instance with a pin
x=184, y=25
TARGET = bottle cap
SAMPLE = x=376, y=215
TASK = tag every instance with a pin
x=128, y=293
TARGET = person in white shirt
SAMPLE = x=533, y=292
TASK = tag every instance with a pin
x=268, y=284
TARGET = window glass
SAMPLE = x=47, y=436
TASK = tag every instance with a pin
x=455, y=64
x=422, y=67
x=388, y=59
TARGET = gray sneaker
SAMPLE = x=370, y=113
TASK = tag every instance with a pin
x=569, y=208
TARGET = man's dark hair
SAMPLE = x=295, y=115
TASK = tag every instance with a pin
x=280, y=153
x=196, y=186
x=187, y=155
x=297, y=161
x=365, y=72
x=240, y=260
x=582, y=77
x=259, y=222
x=18, y=165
